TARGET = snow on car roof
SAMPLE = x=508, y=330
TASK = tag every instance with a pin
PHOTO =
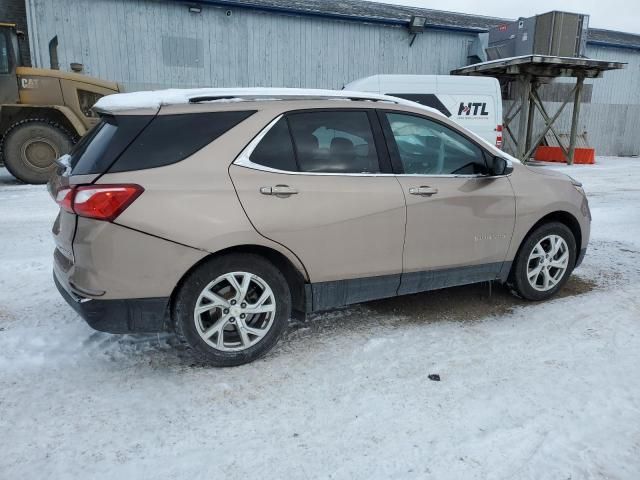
x=157, y=98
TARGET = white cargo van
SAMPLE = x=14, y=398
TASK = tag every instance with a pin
x=473, y=102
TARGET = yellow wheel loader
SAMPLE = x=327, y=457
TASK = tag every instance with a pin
x=42, y=112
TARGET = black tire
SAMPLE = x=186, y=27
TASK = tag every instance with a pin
x=186, y=297
x=30, y=148
x=518, y=278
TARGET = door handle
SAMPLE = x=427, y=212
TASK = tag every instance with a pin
x=423, y=191
x=281, y=191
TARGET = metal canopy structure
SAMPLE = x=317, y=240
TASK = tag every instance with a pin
x=529, y=72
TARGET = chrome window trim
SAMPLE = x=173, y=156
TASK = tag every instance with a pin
x=244, y=160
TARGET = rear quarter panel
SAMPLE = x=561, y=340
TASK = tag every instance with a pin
x=193, y=202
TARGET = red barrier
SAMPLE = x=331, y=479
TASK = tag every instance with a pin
x=554, y=154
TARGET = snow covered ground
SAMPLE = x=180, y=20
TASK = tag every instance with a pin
x=549, y=391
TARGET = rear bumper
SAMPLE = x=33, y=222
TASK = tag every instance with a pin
x=132, y=315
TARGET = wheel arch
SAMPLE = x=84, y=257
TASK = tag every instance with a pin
x=296, y=279
x=560, y=216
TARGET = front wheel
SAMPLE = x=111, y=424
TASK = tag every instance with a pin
x=544, y=262
x=233, y=309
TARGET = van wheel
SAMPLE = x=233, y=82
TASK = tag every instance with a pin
x=30, y=148
x=233, y=309
x=544, y=262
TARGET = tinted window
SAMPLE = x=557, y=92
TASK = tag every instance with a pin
x=4, y=54
x=426, y=99
x=426, y=147
x=334, y=142
x=100, y=147
x=171, y=138
x=275, y=150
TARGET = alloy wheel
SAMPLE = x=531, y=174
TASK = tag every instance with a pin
x=547, y=263
x=235, y=311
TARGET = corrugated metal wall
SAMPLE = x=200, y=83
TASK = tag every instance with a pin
x=146, y=43
x=155, y=44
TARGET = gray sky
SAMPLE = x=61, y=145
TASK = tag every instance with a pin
x=612, y=14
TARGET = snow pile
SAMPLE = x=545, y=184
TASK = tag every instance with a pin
x=527, y=390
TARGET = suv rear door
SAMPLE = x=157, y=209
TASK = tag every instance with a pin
x=459, y=218
x=319, y=182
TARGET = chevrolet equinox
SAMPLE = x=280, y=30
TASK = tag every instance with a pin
x=219, y=213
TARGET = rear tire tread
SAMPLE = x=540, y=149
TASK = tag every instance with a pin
x=182, y=308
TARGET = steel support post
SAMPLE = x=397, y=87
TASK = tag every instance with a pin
x=532, y=111
x=525, y=90
x=574, y=119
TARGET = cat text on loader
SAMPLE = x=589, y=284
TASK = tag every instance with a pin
x=42, y=112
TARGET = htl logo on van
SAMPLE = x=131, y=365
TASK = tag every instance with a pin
x=473, y=109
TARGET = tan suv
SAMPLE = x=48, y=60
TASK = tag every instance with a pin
x=220, y=213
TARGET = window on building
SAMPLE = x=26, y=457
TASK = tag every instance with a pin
x=426, y=147
x=334, y=142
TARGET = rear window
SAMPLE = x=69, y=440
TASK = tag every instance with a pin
x=123, y=143
x=171, y=138
x=102, y=145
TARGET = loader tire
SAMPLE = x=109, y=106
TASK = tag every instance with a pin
x=30, y=148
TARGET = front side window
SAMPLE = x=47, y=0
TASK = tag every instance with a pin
x=4, y=54
x=426, y=147
x=333, y=142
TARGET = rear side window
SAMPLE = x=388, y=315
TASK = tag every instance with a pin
x=100, y=147
x=334, y=142
x=275, y=150
x=171, y=138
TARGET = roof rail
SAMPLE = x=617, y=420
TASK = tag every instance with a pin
x=158, y=98
x=248, y=97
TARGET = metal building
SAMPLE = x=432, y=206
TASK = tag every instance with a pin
x=146, y=44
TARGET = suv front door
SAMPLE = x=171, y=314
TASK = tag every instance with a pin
x=459, y=218
x=319, y=182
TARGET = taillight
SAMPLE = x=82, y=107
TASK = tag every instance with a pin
x=64, y=198
x=499, y=136
x=104, y=202
x=101, y=202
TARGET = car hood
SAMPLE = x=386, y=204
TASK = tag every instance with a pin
x=548, y=172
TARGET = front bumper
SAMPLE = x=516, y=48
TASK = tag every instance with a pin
x=131, y=315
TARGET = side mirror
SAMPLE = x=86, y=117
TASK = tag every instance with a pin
x=501, y=166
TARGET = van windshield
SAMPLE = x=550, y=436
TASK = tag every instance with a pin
x=426, y=99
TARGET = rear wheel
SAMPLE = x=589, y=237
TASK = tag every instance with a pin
x=544, y=262
x=233, y=309
x=31, y=147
